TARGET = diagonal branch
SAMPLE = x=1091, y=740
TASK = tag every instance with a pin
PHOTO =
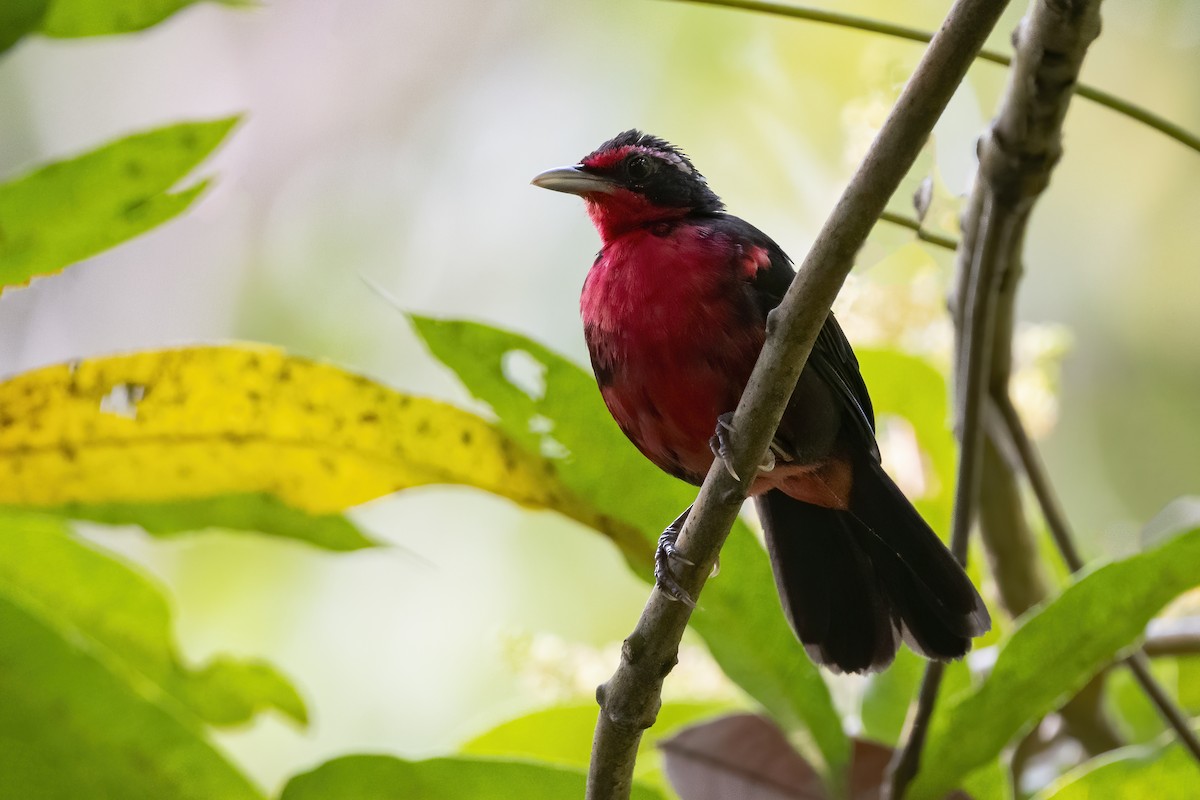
x=630, y=699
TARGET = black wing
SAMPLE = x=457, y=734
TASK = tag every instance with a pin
x=832, y=357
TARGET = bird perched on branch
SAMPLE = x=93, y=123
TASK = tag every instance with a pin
x=674, y=311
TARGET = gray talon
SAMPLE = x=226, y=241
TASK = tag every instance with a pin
x=719, y=444
x=664, y=576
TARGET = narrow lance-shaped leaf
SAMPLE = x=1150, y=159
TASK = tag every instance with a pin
x=1057, y=648
x=69, y=210
x=93, y=699
x=1131, y=773
x=208, y=422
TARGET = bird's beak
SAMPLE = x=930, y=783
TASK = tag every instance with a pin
x=573, y=180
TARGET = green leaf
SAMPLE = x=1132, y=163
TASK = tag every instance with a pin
x=386, y=778
x=993, y=781
x=19, y=17
x=910, y=387
x=1138, y=717
x=1055, y=650
x=1131, y=773
x=69, y=210
x=888, y=696
x=1189, y=683
x=548, y=403
x=563, y=736
x=73, y=18
x=92, y=701
x=262, y=513
x=122, y=620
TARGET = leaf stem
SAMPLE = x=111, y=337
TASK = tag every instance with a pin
x=925, y=236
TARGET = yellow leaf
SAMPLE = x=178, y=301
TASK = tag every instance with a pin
x=206, y=421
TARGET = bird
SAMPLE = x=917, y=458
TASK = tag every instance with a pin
x=674, y=311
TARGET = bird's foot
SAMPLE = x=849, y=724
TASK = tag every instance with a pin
x=721, y=447
x=719, y=443
x=664, y=576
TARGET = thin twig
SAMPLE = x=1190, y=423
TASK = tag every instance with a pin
x=1174, y=636
x=869, y=25
x=913, y=225
x=630, y=699
x=1056, y=521
x=1139, y=665
x=1039, y=481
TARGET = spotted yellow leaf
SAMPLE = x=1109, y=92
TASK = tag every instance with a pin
x=201, y=422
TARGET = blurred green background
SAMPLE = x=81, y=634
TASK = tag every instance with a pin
x=395, y=140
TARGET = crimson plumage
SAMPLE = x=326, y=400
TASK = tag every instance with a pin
x=674, y=311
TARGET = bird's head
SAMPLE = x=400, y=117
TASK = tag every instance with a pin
x=634, y=179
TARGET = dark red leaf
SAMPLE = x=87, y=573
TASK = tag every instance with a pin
x=746, y=757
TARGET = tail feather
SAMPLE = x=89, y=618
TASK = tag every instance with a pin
x=854, y=582
x=828, y=585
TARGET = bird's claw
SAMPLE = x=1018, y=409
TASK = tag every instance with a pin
x=719, y=444
x=664, y=576
x=721, y=448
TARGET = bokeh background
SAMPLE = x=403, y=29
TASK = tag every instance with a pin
x=394, y=140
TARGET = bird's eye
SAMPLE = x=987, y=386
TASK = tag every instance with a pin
x=639, y=168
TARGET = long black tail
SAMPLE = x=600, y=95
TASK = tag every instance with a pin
x=854, y=583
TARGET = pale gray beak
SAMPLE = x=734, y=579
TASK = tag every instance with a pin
x=573, y=180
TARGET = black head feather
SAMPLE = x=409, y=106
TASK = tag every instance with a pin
x=654, y=168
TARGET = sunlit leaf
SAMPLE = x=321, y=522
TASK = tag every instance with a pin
x=19, y=17
x=93, y=699
x=87, y=597
x=69, y=210
x=993, y=781
x=888, y=696
x=1139, y=719
x=1189, y=683
x=1056, y=649
x=386, y=778
x=72, y=18
x=170, y=426
x=1131, y=773
x=909, y=387
x=563, y=735
x=546, y=402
